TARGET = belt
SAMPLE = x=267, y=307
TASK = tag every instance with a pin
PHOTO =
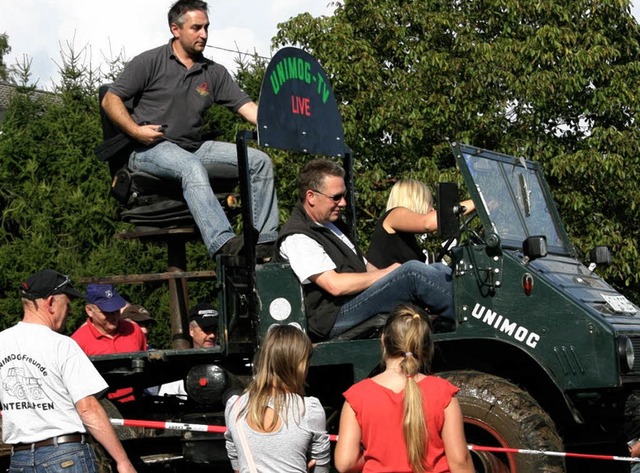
x=52, y=441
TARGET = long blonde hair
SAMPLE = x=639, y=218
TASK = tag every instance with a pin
x=407, y=334
x=280, y=373
x=411, y=194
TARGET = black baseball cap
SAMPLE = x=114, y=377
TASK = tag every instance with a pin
x=205, y=315
x=47, y=283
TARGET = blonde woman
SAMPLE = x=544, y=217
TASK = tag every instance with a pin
x=272, y=427
x=402, y=420
x=409, y=212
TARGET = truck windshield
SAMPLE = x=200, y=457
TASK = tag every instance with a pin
x=513, y=197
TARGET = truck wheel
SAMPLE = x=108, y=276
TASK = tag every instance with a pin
x=499, y=414
x=632, y=415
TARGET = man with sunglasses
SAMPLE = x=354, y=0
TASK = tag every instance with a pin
x=48, y=387
x=341, y=289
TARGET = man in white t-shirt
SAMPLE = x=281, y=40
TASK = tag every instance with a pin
x=48, y=387
x=342, y=289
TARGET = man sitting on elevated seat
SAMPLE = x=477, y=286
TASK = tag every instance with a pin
x=172, y=87
x=341, y=288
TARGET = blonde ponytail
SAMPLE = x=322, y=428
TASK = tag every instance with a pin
x=407, y=334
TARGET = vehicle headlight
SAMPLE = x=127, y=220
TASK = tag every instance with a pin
x=626, y=353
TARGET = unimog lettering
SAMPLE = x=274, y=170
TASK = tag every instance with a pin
x=292, y=68
x=501, y=323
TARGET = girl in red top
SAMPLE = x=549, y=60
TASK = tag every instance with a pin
x=406, y=421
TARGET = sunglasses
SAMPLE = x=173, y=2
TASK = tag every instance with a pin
x=337, y=198
x=55, y=290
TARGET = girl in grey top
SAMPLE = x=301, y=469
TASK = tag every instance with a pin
x=273, y=425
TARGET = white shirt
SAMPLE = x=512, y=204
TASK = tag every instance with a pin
x=307, y=257
x=174, y=388
x=42, y=376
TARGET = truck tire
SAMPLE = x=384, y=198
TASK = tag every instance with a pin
x=498, y=413
x=124, y=433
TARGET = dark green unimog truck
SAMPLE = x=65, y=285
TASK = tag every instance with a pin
x=542, y=349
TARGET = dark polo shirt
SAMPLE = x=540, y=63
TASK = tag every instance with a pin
x=164, y=91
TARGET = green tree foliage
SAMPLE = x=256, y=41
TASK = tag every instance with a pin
x=551, y=80
x=4, y=50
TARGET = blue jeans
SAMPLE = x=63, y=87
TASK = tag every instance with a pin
x=65, y=458
x=193, y=170
x=425, y=285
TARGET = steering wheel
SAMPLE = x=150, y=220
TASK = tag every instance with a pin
x=447, y=245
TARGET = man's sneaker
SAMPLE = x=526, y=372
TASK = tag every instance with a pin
x=232, y=247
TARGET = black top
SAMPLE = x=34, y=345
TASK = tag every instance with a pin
x=388, y=248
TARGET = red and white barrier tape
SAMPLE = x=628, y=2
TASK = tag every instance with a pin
x=154, y=424
x=220, y=429
x=553, y=454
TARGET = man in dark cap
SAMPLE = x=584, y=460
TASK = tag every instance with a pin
x=203, y=325
x=203, y=328
x=48, y=386
x=104, y=333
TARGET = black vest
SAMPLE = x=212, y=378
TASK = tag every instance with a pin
x=321, y=307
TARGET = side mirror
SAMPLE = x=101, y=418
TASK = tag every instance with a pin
x=535, y=247
x=448, y=210
x=601, y=256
